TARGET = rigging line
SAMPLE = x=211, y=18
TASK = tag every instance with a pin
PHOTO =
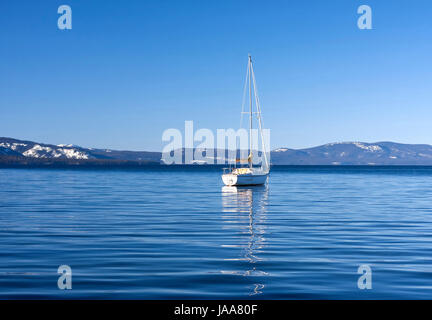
x=261, y=127
x=250, y=110
x=244, y=95
x=243, y=104
x=259, y=117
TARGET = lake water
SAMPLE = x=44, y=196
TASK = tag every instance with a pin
x=177, y=233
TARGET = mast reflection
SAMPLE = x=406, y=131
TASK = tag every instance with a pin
x=244, y=211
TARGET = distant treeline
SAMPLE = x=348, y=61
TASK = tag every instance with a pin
x=21, y=162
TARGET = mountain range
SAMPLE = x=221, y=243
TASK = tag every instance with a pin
x=14, y=152
x=18, y=152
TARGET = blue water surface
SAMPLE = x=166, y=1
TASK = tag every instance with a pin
x=177, y=233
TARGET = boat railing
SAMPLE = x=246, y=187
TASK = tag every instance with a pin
x=226, y=170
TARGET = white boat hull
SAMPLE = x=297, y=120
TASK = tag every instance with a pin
x=244, y=179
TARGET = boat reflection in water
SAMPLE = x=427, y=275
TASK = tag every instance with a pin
x=244, y=212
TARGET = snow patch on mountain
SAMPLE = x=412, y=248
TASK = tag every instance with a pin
x=39, y=151
x=73, y=154
x=335, y=143
x=371, y=148
x=12, y=146
x=425, y=155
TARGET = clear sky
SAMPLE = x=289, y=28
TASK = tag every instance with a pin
x=128, y=70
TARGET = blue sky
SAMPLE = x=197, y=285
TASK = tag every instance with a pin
x=128, y=70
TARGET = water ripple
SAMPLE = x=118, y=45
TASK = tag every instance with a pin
x=178, y=233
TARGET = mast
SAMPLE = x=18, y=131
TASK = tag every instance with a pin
x=250, y=112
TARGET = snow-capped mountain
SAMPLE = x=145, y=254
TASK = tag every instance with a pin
x=30, y=149
x=350, y=153
x=356, y=153
x=39, y=150
x=338, y=153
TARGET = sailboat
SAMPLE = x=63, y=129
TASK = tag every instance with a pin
x=250, y=175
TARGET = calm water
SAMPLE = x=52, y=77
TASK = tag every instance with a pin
x=177, y=233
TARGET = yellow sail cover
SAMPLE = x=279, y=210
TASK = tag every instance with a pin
x=242, y=171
